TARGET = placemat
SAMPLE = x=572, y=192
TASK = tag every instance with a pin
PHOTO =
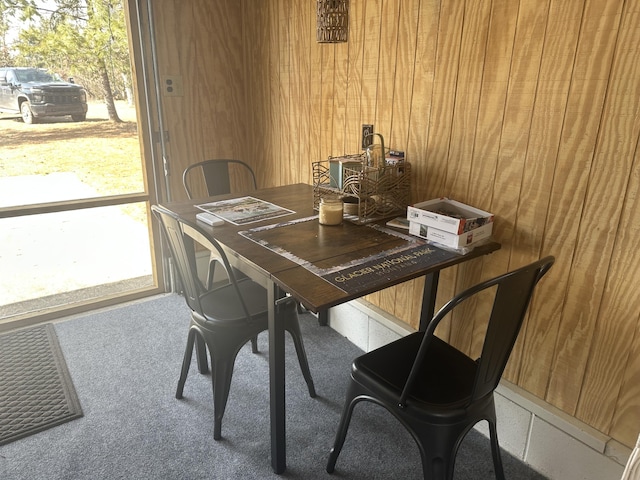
x=369, y=254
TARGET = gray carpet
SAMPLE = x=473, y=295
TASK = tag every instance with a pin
x=36, y=392
x=125, y=364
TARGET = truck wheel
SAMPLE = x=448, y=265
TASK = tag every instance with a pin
x=27, y=114
x=79, y=118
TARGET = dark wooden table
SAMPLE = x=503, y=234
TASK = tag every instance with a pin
x=321, y=267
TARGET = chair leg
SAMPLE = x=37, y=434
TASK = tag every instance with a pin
x=437, y=465
x=296, y=335
x=438, y=447
x=186, y=362
x=254, y=344
x=350, y=402
x=201, y=355
x=221, y=383
x=495, y=451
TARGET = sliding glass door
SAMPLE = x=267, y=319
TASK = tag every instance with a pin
x=75, y=228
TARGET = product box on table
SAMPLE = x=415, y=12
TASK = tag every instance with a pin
x=337, y=168
x=449, y=239
x=449, y=216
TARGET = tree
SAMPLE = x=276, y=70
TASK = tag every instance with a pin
x=5, y=54
x=84, y=39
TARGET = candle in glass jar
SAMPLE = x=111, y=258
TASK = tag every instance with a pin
x=330, y=211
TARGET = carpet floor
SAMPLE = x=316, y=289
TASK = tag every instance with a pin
x=125, y=364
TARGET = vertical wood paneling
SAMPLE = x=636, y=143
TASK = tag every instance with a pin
x=370, y=68
x=398, y=137
x=608, y=233
x=558, y=54
x=327, y=65
x=272, y=168
x=526, y=108
x=524, y=69
x=304, y=35
x=387, y=65
x=315, y=94
x=354, y=78
x=296, y=112
x=472, y=54
x=620, y=303
x=595, y=52
x=175, y=116
x=467, y=95
x=385, y=101
x=256, y=76
x=286, y=78
x=443, y=101
x=370, y=60
x=491, y=109
x=625, y=422
x=567, y=193
x=417, y=147
x=341, y=63
x=210, y=35
x=440, y=123
x=224, y=21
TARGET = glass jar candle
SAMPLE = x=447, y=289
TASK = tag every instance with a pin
x=330, y=211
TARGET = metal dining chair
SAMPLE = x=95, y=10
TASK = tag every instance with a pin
x=216, y=175
x=437, y=392
x=224, y=318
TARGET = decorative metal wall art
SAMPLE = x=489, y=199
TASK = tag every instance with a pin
x=333, y=21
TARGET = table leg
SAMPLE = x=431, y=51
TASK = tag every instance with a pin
x=429, y=299
x=323, y=317
x=276, y=385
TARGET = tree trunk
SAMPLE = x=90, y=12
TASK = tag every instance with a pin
x=108, y=94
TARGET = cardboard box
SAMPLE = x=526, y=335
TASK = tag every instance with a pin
x=449, y=239
x=448, y=215
x=337, y=167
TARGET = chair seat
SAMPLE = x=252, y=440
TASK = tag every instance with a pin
x=446, y=377
x=222, y=305
x=437, y=392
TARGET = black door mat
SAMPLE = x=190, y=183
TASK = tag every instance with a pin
x=36, y=391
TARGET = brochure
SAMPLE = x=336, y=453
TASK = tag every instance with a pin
x=244, y=210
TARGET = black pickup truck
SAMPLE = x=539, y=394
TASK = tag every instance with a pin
x=35, y=93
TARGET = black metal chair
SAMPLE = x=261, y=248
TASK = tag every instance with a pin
x=437, y=392
x=223, y=318
x=217, y=175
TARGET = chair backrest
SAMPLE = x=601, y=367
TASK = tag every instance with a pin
x=183, y=252
x=216, y=175
x=513, y=292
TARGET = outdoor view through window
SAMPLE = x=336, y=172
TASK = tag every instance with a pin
x=68, y=146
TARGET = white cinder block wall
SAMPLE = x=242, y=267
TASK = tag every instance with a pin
x=551, y=442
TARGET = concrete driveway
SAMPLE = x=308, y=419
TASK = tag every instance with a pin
x=47, y=254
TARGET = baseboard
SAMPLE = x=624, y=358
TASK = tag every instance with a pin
x=550, y=441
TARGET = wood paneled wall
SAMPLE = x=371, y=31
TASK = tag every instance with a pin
x=529, y=109
x=201, y=43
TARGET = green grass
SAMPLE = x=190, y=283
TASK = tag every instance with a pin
x=103, y=154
